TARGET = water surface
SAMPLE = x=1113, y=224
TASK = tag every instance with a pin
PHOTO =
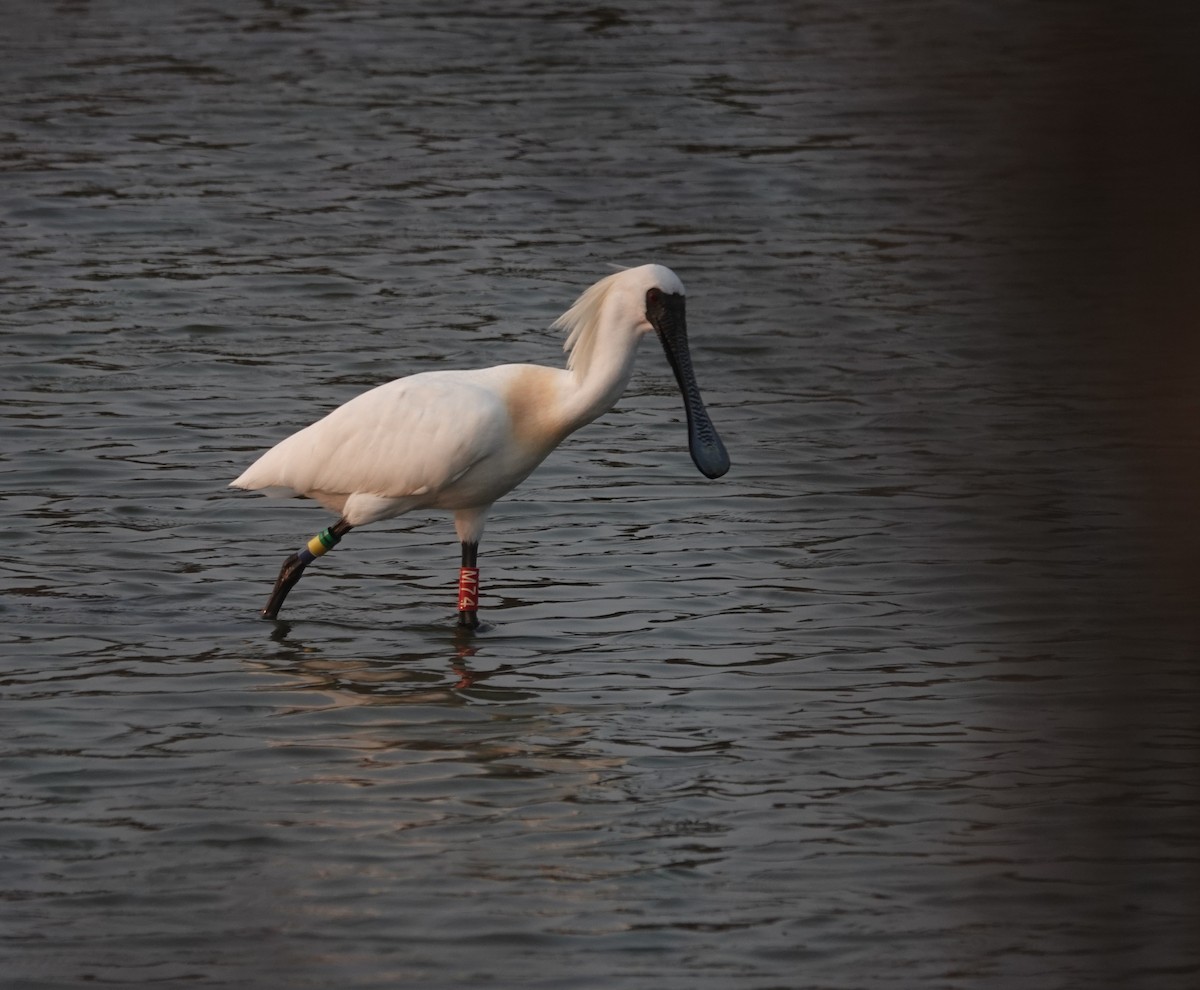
x=906, y=699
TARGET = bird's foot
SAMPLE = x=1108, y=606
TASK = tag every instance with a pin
x=469, y=622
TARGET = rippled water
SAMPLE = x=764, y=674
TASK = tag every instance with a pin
x=906, y=699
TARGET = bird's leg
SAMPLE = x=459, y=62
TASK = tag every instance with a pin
x=468, y=587
x=293, y=567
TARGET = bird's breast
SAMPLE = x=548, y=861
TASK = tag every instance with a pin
x=534, y=399
x=527, y=402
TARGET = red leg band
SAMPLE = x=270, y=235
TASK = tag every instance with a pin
x=468, y=589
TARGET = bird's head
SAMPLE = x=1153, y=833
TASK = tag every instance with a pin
x=665, y=314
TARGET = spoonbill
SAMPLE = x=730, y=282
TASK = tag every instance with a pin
x=458, y=440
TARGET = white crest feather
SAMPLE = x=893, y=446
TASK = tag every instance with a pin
x=582, y=321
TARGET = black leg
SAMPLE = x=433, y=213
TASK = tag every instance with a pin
x=293, y=567
x=468, y=587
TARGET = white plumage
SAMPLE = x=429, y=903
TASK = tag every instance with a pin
x=458, y=440
x=408, y=444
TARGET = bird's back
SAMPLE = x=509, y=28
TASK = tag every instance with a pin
x=412, y=441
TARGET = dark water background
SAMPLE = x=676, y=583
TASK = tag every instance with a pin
x=908, y=699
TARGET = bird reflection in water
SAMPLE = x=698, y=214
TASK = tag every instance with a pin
x=400, y=679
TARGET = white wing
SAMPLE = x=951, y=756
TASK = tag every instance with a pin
x=412, y=437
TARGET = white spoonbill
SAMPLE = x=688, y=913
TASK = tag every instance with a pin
x=458, y=440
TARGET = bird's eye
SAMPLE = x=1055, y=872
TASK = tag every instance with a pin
x=653, y=297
